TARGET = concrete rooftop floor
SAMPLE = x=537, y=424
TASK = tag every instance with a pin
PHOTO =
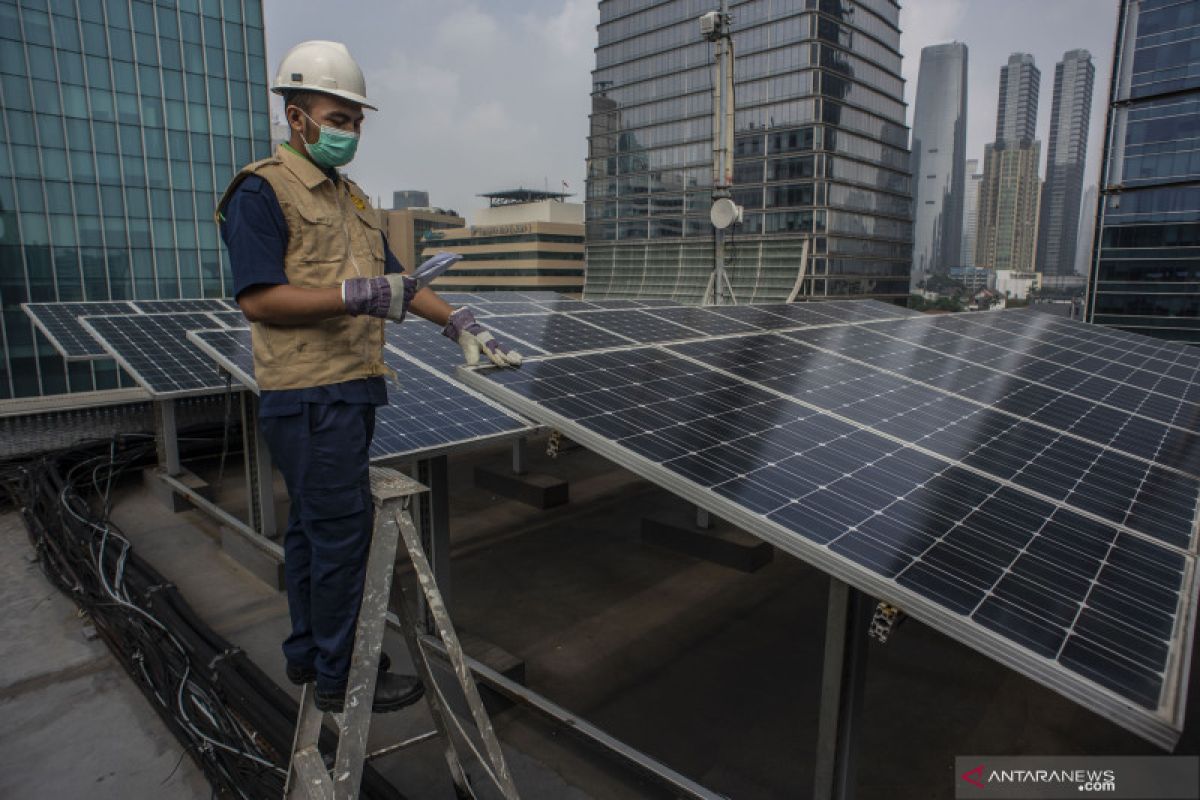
x=713, y=671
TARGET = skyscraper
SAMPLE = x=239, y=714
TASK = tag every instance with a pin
x=820, y=152
x=1058, y=225
x=1147, y=266
x=123, y=123
x=970, y=224
x=1008, y=196
x=939, y=145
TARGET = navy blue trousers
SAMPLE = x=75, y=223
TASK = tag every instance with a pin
x=323, y=455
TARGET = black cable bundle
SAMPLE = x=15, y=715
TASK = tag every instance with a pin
x=233, y=720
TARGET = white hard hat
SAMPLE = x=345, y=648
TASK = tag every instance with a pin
x=325, y=67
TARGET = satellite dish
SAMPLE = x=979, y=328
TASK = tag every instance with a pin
x=724, y=213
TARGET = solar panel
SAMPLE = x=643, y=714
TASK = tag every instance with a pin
x=553, y=333
x=426, y=413
x=181, y=306
x=1061, y=556
x=155, y=350
x=59, y=322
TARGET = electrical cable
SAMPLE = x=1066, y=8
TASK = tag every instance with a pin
x=229, y=717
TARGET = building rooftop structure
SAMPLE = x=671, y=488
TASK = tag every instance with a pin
x=521, y=195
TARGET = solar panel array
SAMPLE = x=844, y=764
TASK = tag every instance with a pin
x=60, y=321
x=1023, y=483
x=426, y=413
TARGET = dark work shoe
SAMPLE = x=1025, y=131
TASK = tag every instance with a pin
x=303, y=675
x=392, y=693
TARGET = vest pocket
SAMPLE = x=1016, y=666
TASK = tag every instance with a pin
x=321, y=238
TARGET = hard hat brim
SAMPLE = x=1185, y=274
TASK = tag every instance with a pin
x=283, y=88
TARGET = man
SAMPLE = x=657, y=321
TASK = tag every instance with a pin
x=313, y=274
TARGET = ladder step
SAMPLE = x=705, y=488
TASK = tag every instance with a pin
x=312, y=781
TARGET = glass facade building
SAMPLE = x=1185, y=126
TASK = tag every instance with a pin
x=939, y=148
x=1145, y=272
x=1070, y=115
x=820, y=151
x=123, y=121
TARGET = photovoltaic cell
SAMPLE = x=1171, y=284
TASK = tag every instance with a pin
x=155, y=350
x=1062, y=549
x=59, y=322
x=425, y=412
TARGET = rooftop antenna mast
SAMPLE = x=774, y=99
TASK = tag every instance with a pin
x=715, y=27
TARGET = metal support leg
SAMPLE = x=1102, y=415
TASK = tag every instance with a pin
x=842, y=682
x=260, y=481
x=703, y=520
x=434, y=525
x=520, y=456
x=168, y=436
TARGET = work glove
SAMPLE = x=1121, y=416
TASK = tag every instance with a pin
x=474, y=339
x=389, y=295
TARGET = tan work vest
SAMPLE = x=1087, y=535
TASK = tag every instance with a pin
x=333, y=234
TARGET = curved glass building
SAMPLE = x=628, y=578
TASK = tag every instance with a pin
x=821, y=151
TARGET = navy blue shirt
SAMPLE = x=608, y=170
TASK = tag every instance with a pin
x=256, y=234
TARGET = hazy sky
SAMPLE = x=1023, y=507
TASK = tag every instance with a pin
x=479, y=96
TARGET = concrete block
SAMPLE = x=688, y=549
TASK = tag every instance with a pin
x=532, y=488
x=722, y=544
x=262, y=565
x=152, y=480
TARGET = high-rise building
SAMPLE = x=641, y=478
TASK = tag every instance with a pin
x=970, y=223
x=939, y=145
x=820, y=152
x=123, y=122
x=410, y=198
x=1066, y=159
x=1016, y=113
x=1145, y=276
x=1009, y=194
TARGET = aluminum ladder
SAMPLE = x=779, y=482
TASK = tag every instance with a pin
x=308, y=778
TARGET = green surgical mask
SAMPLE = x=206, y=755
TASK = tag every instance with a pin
x=334, y=147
